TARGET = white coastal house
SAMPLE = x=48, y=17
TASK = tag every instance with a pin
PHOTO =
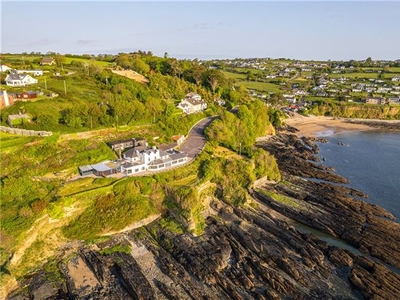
x=192, y=103
x=19, y=80
x=136, y=161
x=151, y=159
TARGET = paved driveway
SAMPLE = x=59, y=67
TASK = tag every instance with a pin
x=196, y=140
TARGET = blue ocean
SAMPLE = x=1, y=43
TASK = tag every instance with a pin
x=371, y=162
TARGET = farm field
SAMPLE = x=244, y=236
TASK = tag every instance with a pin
x=68, y=60
x=233, y=75
x=364, y=75
x=355, y=75
x=261, y=86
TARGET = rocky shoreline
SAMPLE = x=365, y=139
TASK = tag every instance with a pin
x=247, y=253
x=391, y=125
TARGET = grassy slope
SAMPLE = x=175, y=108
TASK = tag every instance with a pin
x=262, y=86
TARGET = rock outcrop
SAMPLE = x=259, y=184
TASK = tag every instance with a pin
x=252, y=252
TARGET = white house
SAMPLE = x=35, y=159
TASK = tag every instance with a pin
x=397, y=78
x=19, y=80
x=150, y=159
x=192, y=103
x=4, y=68
x=33, y=72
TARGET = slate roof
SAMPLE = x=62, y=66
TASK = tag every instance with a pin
x=177, y=155
x=195, y=102
x=131, y=153
x=16, y=76
x=47, y=60
x=166, y=147
x=85, y=168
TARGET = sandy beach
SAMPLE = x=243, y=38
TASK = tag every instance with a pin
x=318, y=126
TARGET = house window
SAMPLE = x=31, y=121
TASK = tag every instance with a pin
x=136, y=170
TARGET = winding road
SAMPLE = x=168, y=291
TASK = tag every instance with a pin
x=196, y=140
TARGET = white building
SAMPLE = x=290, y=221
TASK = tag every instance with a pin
x=151, y=159
x=33, y=72
x=20, y=80
x=4, y=68
x=192, y=103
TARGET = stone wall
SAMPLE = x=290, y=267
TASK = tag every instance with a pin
x=25, y=131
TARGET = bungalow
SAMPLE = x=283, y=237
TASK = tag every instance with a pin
x=33, y=72
x=26, y=95
x=192, y=103
x=375, y=100
x=19, y=80
x=396, y=78
x=48, y=61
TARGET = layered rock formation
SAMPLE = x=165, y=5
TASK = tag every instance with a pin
x=252, y=252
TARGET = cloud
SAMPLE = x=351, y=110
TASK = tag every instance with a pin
x=202, y=26
x=88, y=42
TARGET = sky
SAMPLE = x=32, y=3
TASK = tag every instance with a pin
x=315, y=30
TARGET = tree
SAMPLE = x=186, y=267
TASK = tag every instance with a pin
x=155, y=106
x=213, y=78
x=195, y=74
x=140, y=66
x=368, y=61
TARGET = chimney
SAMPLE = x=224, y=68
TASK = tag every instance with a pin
x=6, y=101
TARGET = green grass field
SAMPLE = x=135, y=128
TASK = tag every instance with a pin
x=68, y=60
x=233, y=75
x=355, y=75
x=16, y=57
x=9, y=58
x=261, y=86
x=12, y=142
x=395, y=70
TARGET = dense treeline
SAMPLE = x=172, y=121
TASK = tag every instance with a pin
x=91, y=96
x=238, y=130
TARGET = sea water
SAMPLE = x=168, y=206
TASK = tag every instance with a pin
x=370, y=160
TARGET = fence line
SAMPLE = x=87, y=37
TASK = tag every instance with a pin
x=25, y=131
